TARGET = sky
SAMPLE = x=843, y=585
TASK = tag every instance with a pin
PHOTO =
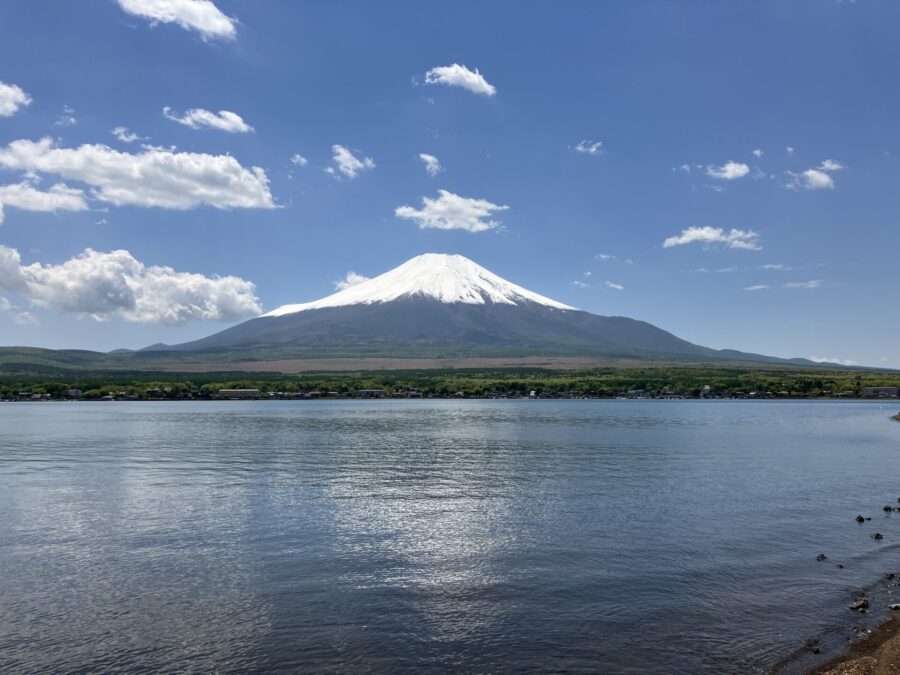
x=726, y=171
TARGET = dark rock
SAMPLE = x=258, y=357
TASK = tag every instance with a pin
x=889, y=575
x=878, y=536
x=895, y=607
x=840, y=567
x=821, y=557
x=860, y=519
x=859, y=605
x=888, y=508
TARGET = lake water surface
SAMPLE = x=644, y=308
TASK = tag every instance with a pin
x=427, y=536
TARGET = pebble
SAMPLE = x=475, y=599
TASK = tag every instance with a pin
x=859, y=605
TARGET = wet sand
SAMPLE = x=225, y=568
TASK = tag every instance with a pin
x=877, y=654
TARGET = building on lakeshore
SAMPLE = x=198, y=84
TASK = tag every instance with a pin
x=238, y=393
x=880, y=392
x=370, y=393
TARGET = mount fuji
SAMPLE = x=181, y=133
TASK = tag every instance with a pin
x=437, y=305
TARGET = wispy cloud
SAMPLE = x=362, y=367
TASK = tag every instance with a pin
x=125, y=135
x=432, y=164
x=832, y=359
x=200, y=15
x=452, y=212
x=348, y=164
x=735, y=238
x=580, y=284
x=813, y=283
x=587, y=147
x=757, y=287
x=457, y=75
x=777, y=267
x=66, y=118
x=758, y=153
x=614, y=286
x=198, y=118
x=605, y=257
x=299, y=160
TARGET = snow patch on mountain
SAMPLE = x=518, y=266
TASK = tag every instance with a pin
x=446, y=278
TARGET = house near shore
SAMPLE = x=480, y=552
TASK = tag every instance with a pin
x=880, y=392
x=370, y=393
x=238, y=393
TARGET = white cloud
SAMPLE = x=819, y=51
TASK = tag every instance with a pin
x=720, y=270
x=615, y=286
x=580, y=284
x=154, y=177
x=605, y=257
x=588, y=274
x=452, y=212
x=200, y=15
x=460, y=76
x=66, y=117
x=776, y=267
x=743, y=239
x=26, y=319
x=758, y=153
x=789, y=151
x=815, y=179
x=198, y=118
x=814, y=283
x=831, y=359
x=728, y=171
x=351, y=279
x=125, y=135
x=299, y=160
x=587, y=147
x=12, y=98
x=25, y=196
x=348, y=163
x=432, y=164
x=757, y=287
x=115, y=284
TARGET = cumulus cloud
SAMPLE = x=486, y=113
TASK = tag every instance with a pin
x=814, y=283
x=460, y=76
x=351, y=279
x=154, y=177
x=452, y=212
x=728, y=171
x=125, y=135
x=299, y=160
x=614, y=286
x=347, y=163
x=116, y=284
x=818, y=178
x=12, y=99
x=587, y=147
x=198, y=118
x=757, y=287
x=432, y=165
x=199, y=15
x=743, y=239
x=25, y=196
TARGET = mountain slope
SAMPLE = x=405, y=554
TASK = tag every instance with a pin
x=444, y=306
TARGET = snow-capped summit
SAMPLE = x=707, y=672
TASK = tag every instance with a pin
x=448, y=279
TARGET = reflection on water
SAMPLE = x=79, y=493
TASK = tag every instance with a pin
x=675, y=537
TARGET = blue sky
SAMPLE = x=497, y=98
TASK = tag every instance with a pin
x=678, y=96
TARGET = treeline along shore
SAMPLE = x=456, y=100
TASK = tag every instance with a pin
x=636, y=383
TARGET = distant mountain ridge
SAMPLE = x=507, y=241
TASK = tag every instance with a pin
x=437, y=305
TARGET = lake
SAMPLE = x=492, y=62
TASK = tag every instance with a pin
x=427, y=536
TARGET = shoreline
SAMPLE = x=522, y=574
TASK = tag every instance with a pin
x=876, y=654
